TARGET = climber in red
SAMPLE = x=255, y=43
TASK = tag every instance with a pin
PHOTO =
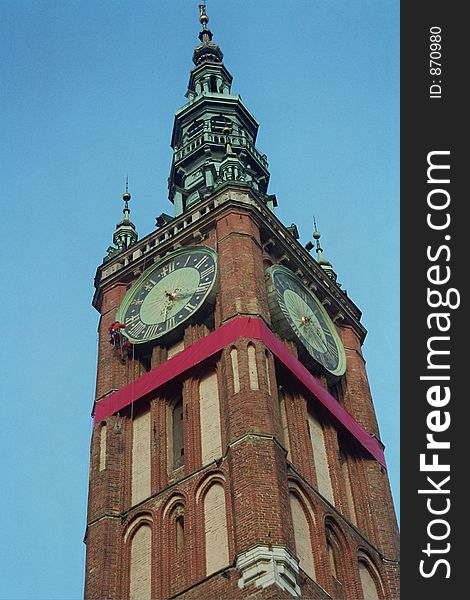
x=117, y=339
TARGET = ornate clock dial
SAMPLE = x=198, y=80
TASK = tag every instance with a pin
x=301, y=316
x=168, y=293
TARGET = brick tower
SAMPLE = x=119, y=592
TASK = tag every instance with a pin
x=235, y=449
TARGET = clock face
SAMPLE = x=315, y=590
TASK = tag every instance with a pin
x=301, y=316
x=168, y=293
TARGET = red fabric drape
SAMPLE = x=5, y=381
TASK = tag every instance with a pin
x=240, y=327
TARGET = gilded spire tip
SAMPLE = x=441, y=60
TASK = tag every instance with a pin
x=126, y=196
x=203, y=18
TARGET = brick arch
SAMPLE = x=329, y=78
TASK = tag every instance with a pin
x=174, y=577
x=137, y=521
x=374, y=571
x=141, y=521
x=172, y=502
x=206, y=481
x=217, y=549
x=303, y=494
x=203, y=528
x=335, y=536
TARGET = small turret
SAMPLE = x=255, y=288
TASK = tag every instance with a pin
x=322, y=261
x=125, y=234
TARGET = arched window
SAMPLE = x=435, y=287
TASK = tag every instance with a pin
x=179, y=531
x=370, y=578
x=334, y=551
x=302, y=536
x=252, y=368
x=141, y=564
x=215, y=525
x=177, y=433
x=236, y=377
x=103, y=433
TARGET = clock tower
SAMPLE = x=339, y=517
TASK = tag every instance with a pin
x=235, y=450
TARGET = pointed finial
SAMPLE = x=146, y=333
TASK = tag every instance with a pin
x=126, y=197
x=206, y=51
x=322, y=261
x=316, y=235
x=203, y=18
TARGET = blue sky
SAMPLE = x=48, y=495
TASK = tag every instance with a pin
x=88, y=93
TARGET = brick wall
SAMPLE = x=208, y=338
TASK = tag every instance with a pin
x=253, y=470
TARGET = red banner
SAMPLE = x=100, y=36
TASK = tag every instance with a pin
x=241, y=327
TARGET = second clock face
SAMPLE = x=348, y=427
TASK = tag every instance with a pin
x=168, y=293
x=306, y=319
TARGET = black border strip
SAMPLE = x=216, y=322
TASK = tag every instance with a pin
x=433, y=121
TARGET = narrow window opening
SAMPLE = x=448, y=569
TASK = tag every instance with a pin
x=103, y=447
x=370, y=587
x=283, y=415
x=236, y=378
x=332, y=548
x=332, y=560
x=179, y=522
x=213, y=83
x=266, y=364
x=178, y=434
x=253, y=371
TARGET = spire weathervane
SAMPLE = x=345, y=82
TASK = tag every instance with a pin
x=203, y=18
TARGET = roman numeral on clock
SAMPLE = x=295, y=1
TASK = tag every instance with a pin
x=203, y=287
x=132, y=319
x=137, y=329
x=167, y=269
x=152, y=330
x=207, y=271
x=200, y=262
x=170, y=323
x=189, y=307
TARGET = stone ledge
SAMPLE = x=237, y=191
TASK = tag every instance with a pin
x=264, y=566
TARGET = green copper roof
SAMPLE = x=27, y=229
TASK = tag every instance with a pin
x=214, y=134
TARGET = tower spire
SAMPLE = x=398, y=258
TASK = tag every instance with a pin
x=214, y=135
x=125, y=234
x=322, y=261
